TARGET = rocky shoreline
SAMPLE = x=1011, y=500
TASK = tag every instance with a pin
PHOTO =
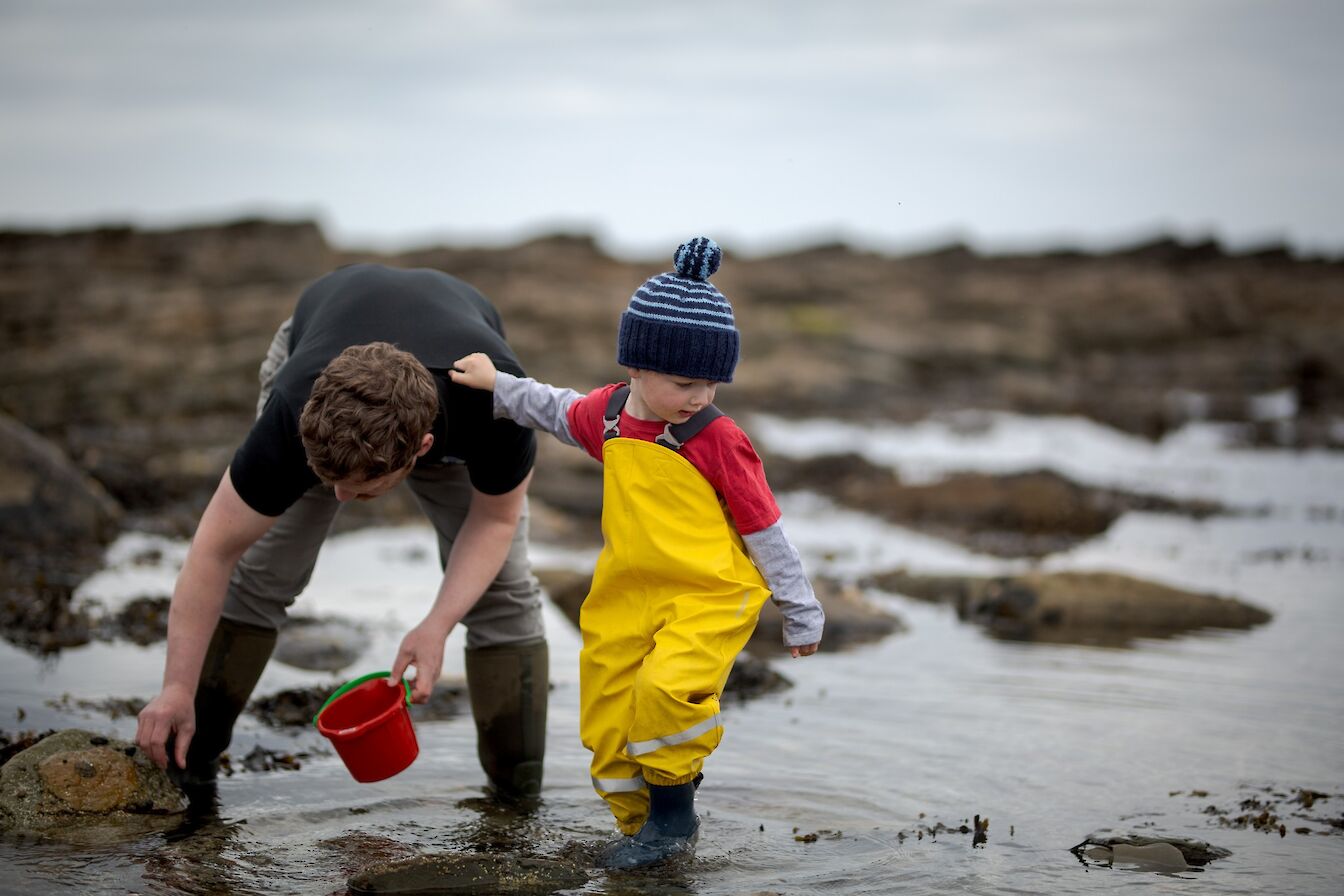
x=131, y=355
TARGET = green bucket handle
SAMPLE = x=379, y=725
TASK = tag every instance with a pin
x=351, y=685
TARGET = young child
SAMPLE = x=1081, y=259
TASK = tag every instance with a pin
x=693, y=546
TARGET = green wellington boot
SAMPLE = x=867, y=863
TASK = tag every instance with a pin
x=671, y=830
x=510, y=685
x=233, y=663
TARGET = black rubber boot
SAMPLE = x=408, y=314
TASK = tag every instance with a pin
x=671, y=830
x=510, y=686
x=233, y=663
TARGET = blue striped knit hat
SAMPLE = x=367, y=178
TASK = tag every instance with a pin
x=678, y=323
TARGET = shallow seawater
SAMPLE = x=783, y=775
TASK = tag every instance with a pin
x=870, y=751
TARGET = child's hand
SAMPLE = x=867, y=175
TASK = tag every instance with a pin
x=804, y=650
x=475, y=370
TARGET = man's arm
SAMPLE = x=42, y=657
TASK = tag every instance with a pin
x=478, y=554
x=227, y=529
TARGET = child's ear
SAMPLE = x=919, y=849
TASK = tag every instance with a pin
x=634, y=373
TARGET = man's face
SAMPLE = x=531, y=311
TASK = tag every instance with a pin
x=359, y=489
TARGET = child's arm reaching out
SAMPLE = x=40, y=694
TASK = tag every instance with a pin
x=523, y=400
x=777, y=559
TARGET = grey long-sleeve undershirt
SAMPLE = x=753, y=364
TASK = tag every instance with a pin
x=541, y=406
x=779, y=563
x=535, y=405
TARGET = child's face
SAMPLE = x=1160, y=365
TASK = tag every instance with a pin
x=675, y=399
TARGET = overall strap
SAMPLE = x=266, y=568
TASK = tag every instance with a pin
x=675, y=436
x=611, y=417
x=672, y=437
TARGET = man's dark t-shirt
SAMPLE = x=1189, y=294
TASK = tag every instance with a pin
x=433, y=316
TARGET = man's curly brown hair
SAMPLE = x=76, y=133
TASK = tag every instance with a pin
x=367, y=414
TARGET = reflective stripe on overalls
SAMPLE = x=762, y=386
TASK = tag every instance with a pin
x=674, y=599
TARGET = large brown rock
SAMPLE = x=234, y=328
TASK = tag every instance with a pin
x=46, y=502
x=1026, y=514
x=447, y=873
x=74, y=778
x=1076, y=607
x=92, y=780
x=851, y=621
x=54, y=521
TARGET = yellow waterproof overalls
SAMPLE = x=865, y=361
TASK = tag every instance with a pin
x=673, y=600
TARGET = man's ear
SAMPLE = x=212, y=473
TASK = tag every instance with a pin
x=635, y=373
x=426, y=443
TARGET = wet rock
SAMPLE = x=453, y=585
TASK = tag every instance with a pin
x=1148, y=853
x=293, y=707
x=74, y=777
x=143, y=620
x=470, y=873
x=92, y=780
x=1076, y=607
x=851, y=621
x=46, y=502
x=752, y=677
x=52, y=622
x=296, y=707
x=566, y=589
x=448, y=700
x=1145, y=857
x=54, y=521
x=361, y=850
x=263, y=760
x=321, y=645
x=1016, y=515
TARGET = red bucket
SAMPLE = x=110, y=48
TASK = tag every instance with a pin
x=368, y=723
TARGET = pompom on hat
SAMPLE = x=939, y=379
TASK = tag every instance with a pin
x=677, y=323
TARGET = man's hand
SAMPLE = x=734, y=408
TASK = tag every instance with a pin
x=475, y=370
x=423, y=648
x=173, y=712
x=227, y=529
x=804, y=650
x=478, y=552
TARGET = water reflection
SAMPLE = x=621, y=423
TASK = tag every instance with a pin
x=493, y=852
x=503, y=825
x=508, y=847
x=197, y=856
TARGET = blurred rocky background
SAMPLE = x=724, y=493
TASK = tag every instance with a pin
x=130, y=361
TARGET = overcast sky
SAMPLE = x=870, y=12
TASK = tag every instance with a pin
x=1005, y=123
